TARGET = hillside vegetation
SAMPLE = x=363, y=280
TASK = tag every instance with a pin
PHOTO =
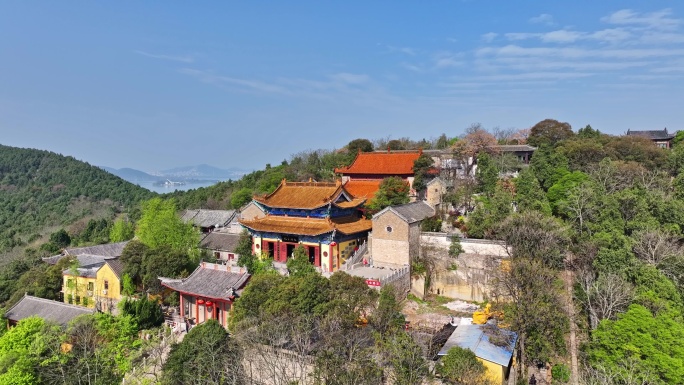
x=41, y=190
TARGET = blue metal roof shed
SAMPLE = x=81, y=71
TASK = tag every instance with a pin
x=475, y=338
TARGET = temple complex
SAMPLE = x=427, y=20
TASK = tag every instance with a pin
x=323, y=217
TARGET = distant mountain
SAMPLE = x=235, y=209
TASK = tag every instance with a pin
x=133, y=175
x=202, y=171
x=40, y=189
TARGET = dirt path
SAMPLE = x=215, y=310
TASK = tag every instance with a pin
x=569, y=281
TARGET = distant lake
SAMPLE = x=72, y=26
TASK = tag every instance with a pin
x=167, y=189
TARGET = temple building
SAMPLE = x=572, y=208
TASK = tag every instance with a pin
x=208, y=293
x=362, y=178
x=321, y=216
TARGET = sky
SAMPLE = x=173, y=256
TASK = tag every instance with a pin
x=155, y=85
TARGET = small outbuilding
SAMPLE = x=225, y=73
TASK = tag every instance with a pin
x=492, y=346
x=208, y=293
x=53, y=311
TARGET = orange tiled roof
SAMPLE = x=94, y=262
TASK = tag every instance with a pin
x=365, y=188
x=308, y=226
x=382, y=163
x=306, y=195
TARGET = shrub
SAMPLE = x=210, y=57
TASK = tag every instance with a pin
x=561, y=373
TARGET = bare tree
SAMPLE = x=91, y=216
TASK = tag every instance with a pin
x=579, y=205
x=631, y=375
x=603, y=297
x=655, y=246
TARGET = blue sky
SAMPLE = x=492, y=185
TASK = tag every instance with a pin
x=154, y=85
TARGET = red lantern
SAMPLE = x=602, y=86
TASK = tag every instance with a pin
x=333, y=243
x=209, y=303
x=200, y=302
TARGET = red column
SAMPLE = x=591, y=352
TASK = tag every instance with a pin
x=317, y=256
x=182, y=308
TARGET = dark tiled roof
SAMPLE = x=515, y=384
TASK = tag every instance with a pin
x=208, y=218
x=653, y=134
x=382, y=163
x=117, y=267
x=58, y=312
x=209, y=280
x=410, y=212
x=88, y=265
x=514, y=148
x=108, y=250
x=220, y=241
x=308, y=226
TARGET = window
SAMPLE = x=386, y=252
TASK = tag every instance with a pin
x=231, y=256
x=70, y=283
x=91, y=286
x=78, y=299
x=389, y=229
x=217, y=255
x=106, y=285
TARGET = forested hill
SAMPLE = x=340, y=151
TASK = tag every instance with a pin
x=40, y=189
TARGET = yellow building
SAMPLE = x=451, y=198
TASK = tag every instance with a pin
x=492, y=346
x=93, y=282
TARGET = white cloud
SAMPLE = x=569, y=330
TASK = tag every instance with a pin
x=544, y=18
x=182, y=59
x=654, y=20
x=447, y=59
x=489, y=37
x=562, y=36
x=611, y=35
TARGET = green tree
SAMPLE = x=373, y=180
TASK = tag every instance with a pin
x=160, y=225
x=206, y=355
x=359, y=145
x=122, y=230
x=421, y=170
x=393, y=191
x=298, y=264
x=529, y=195
x=146, y=313
x=240, y=198
x=487, y=174
x=405, y=358
x=650, y=344
x=455, y=248
x=387, y=317
x=588, y=133
x=460, y=366
x=60, y=238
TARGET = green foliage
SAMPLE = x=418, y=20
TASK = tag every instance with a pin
x=421, y=170
x=560, y=190
x=241, y=197
x=651, y=344
x=298, y=264
x=144, y=265
x=127, y=285
x=393, y=191
x=549, y=166
x=588, y=133
x=206, y=355
x=529, y=194
x=387, y=318
x=122, y=230
x=359, y=145
x=405, y=358
x=146, y=313
x=61, y=239
x=160, y=225
x=431, y=224
x=535, y=236
x=561, y=372
x=455, y=248
x=487, y=174
x=460, y=366
x=489, y=213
